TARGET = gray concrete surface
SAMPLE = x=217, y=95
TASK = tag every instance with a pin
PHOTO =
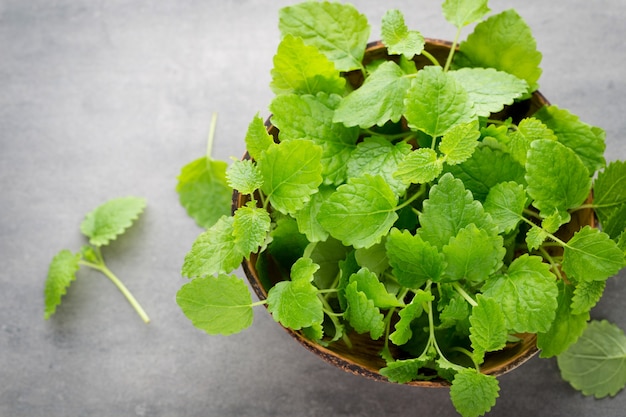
x=100, y=99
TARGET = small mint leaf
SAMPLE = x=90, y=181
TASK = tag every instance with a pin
x=505, y=203
x=488, y=332
x=413, y=260
x=244, y=176
x=295, y=304
x=405, y=370
x=397, y=37
x=528, y=130
x=591, y=255
x=586, y=295
x=362, y=314
x=257, y=139
x=250, y=228
x=370, y=285
x=419, y=167
x=609, y=194
x=473, y=393
x=412, y=311
x=461, y=13
x=61, y=273
x=459, y=143
x=111, y=219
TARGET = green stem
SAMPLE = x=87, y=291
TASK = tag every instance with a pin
x=431, y=58
x=532, y=214
x=452, y=50
x=258, y=303
x=464, y=294
x=414, y=197
x=209, y=145
x=553, y=264
x=468, y=354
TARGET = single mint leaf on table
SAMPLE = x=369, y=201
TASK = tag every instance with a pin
x=472, y=393
x=461, y=13
x=528, y=130
x=488, y=330
x=295, y=304
x=585, y=140
x=412, y=311
x=566, y=327
x=436, y=102
x=61, y=273
x=337, y=30
x=596, y=363
x=380, y=99
x=370, y=285
x=505, y=203
x=217, y=305
x=291, y=171
x=504, y=42
x=244, y=176
x=489, y=89
x=303, y=69
x=377, y=156
x=362, y=314
x=591, y=255
x=360, y=212
x=459, y=143
x=527, y=294
x=251, y=226
x=419, y=167
x=586, y=295
x=257, y=139
x=609, y=192
x=397, y=37
x=111, y=219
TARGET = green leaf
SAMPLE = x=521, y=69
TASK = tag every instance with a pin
x=488, y=332
x=412, y=311
x=591, y=255
x=528, y=130
x=328, y=256
x=596, y=363
x=379, y=100
x=535, y=237
x=527, y=294
x=459, y=143
x=557, y=179
x=505, y=203
x=461, y=13
x=214, y=251
x=585, y=140
x=373, y=258
x=405, y=370
x=362, y=314
x=489, y=89
x=436, y=102
x=257, y=139
x=360, y=212
x=307, y=217
x=419, y=167
x=217, y=305
x=586, y=295
x=397, y=37
x=504, y=42
x=473, y=254
x=337, y=30
x=61, y=273
x=303, y=270
x=566, y=327
x=473, y=393
x=295, y=304
x=251, y=226
x=615, y=225
x=303, y=69
x=377, y=156
x=292, y=171
x=109, y=220
x=287, y=243
x=450, y=208
x=413, y=260
x=609, y=193
x=244, y=176
x=370, y=285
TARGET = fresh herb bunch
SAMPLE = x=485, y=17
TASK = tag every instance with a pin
x=403, y=207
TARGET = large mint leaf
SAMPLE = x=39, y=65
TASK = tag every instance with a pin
x=111, y=219
x=436, y=102
x=504, y=42
x=397, y=37
x=217, y=305
x=379, y=100
x=609, y=192
x=557, y=179
x=505, y=203
x=362, y=314
x=413, y=260
x=360, y=212
x=489, y=89
x=337, y=30
x=463, y=12
x=473, y=393
x=61, y=273
x=303, y=69
x=585, y=140
x=528, y=130
x=591, y=255
x=292, y=171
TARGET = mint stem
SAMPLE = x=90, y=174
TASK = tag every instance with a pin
x=452, y=50
x=209, y=145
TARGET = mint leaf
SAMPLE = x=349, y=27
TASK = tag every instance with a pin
x=251, y=226
x=504, y=42
x=459, y=143
x=412, y=311
x=214, y=251
x=615, y=225
x=217, y=305
x=586, y=295
x=488, y=332
x=419, y=167
x=557, y=179
x=566, y=327
x=528, y=130
x=591, y=255
x=292, y=171
x=287, y=243
x=535, y=237
x=244, y=176
x=362, y=314
x=295, y=304
x=370, y=285
x=337, y=30
x=585, y=140
x=527, y=294
x=596, y=363
x=360, y=212
x=379, y=100
x=373, y=258
x=303, y=69
x=505, y=203
x=61, y=273
x=397, y=37
x=303, y=270
x=111, y=219
x=489, y=89
x=473, y=254
x=307, y=216
x=463, y=12
x=413, y=260
x=405, y=370
x=473, y=393
x=436, y=102
x=257, y=139
x=609, y=194
x=377, y=156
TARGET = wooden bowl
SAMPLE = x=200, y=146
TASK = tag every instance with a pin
x=363, y=357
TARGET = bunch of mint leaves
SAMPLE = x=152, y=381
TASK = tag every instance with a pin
x=404, y=209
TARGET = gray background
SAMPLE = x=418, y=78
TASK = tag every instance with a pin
x=100, y=99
